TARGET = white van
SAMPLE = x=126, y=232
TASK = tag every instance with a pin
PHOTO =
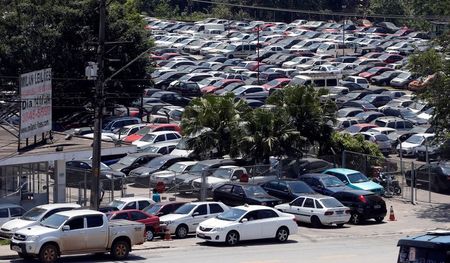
x=337, y=49
x=320, y=81
x=239, y=51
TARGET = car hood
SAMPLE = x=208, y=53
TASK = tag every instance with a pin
x=215, y=222
x=407, y=145
x=141, y=144
x=118, y=166
x=368, y=186
x=36, y=230
x=173, y=217
x=264, y=198
x=112, y=174
x=142, y=171
x=212, y=180
x=18, y=223
x=336, y=189
x=162, y=174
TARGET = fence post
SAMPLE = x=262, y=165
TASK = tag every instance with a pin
x=85, y=189
x=413, y=181
x=203, y=187
x=344, y=158
x=428, y=170
x=112, y=188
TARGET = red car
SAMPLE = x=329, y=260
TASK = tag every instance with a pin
x=152, y=128
x=151, y=222
x=375, y=71
x=219, y=85
x=277, y=83
x=161, y=209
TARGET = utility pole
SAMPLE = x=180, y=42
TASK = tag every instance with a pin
x=99, y=103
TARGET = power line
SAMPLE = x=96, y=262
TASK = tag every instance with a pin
x=329, y=13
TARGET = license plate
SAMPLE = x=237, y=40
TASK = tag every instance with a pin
x=377, y=206
x=339, y=212
x=16, y=248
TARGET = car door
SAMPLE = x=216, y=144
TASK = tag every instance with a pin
x=74, y=239
x=295, y=208
x=251, y=227
x=223, y=194
x=307, y=210
x=199, y=215
x=267, y=222
x=130, y=205
x=97, y=230
x=143, y=204
x=284, y=191
x=237, y=196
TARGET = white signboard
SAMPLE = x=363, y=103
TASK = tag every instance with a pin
x=36, y=103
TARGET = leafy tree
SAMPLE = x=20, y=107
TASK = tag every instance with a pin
x=216, y=120
x=341, y=142
x=309, y=116
x=62, y=35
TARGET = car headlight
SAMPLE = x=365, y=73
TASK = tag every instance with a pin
x=32, y=238
x=217, y=229
x=168, y=222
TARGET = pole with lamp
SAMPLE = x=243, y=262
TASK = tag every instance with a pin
x=343, y=30
x=258, y=28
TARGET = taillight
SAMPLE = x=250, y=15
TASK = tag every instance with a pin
x=347, y=211
x=362, y=198
x=329, y=213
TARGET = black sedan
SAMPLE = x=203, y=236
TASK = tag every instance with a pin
x=287, y=190
x=439, y=173
x=79, y=174
x=234, y=194
x=363, y=205
x=133, y=161
x=324, y=183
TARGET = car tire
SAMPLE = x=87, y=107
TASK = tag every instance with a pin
x=355, y=219
x=232, y=238
x=120, y=249
x=48, y=254
x=379, y=219
x=181, y=231
x=25, y=256
x=282, y=234
x=149, y=234
x=340, y=225
x=315, y=221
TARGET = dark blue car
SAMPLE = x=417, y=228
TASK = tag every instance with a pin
x=324, y=183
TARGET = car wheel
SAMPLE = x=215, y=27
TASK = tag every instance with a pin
x=379, y=219
x=282, y=234
x=48, y=254
x=181, y=231
x=149, y=234
x=355, y=219
x=339, y=225
x=315, y=221
x=232, y=238
x=120, y=249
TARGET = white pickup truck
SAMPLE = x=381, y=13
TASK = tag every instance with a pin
x=77, y=232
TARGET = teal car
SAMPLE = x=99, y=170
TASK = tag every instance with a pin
x=355, y=180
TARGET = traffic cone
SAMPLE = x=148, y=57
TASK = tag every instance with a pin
x=167, y=236
x=391, y=214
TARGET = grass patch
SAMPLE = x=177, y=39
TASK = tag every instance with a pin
x=4, y=242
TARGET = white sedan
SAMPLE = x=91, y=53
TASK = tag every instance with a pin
x=317, y=210
x=247, y=222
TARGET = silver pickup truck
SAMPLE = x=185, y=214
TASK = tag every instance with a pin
x=77, y=232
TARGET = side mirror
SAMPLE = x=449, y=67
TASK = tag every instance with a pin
x=66, y=228
x=195, y=214
x=244, y=220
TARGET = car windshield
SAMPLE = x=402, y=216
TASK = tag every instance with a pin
x=254, y=191
x=381, y=138
x=177, y=168
x=152, y=149
x=182, y=145
x=446, y=168
x=239, y=90
x=34, y=214
x=223, y=173
x=156, y=163
x=300, y=187
x=185, y=209
x=357, y=178
x=54, y=221
x=415, y=139
x=148, y=138
x=404, y=75
x=331, y=203
x=332, y=182
x=198, y=168
x=103, y=167
x=127, y=160
x=117, y=204
x=232, y=215
x=152, y=209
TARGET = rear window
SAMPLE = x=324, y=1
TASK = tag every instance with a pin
x=381, y=138
x=331, y=202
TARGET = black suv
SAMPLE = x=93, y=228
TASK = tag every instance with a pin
x=186, y=89
x=363, y=205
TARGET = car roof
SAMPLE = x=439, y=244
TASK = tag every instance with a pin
x=314, y=196
x=342, y=171
x=80, y=212
x=253, y=207
x=144, y=154
x=316, y=175
x=131, y=199
x=9, y=205
x=356, y=192
x=162, y=132
x=58, y=205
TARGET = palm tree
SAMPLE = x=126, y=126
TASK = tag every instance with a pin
x=214, y=120
x=269, y=133
x=309, y=116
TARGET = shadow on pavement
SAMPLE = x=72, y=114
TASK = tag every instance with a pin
x=84, y=258
x=439, y=213
x=260, y=242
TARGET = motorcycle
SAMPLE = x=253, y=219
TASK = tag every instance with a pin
x=390, y=184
